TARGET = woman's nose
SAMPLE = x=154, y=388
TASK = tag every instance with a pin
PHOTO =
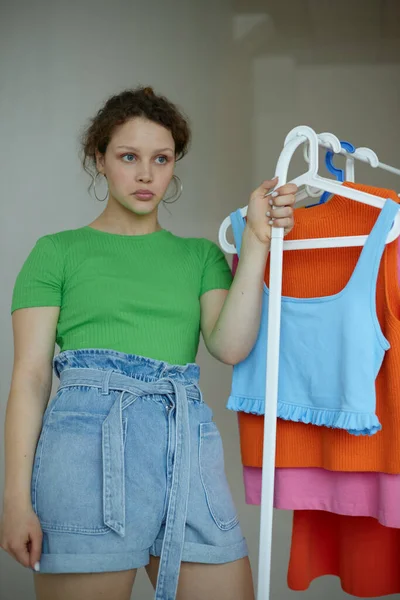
x=144, y=175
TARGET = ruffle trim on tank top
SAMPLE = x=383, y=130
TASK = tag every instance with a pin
x=353, y=422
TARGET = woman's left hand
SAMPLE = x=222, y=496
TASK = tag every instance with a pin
x=266, y=210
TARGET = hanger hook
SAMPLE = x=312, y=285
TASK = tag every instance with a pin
x=369, y=155
x=327, y=139
x=294, y=139
x=338, y=173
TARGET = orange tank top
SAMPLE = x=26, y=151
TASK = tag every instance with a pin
x=319, y=272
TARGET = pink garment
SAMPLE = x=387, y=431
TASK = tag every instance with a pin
x=374, y=495
x=235, y=262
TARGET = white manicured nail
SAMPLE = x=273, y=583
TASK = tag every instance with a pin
x=37, y=566
x=274, y=194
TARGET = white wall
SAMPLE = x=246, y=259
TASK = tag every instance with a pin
x=61, y=61
x=359, y=103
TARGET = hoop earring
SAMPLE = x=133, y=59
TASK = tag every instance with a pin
x=179, y=188
x=94, y=188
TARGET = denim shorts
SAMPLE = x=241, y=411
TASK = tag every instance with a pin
x=129, y=463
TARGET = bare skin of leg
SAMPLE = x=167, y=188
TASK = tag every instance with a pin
x=229, y=581
x=116, y=585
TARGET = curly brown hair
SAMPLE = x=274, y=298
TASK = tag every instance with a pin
x=138, y=102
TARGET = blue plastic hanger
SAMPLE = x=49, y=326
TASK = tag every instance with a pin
x=338, y=173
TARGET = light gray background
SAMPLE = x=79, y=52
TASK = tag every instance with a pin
x=245, y=72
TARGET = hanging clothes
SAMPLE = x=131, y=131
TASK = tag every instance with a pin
x=374, y=495
x=305, y=445
x=331, y=347
x=360, y=551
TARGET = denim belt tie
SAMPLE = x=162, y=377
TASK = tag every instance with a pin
x=114, y=464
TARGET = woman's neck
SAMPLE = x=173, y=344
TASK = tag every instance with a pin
x=130, y=224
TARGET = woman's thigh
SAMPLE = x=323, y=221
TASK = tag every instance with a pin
x=228, y=581
x=116, y=585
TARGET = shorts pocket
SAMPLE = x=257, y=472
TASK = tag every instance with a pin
x=67, y=477
x=213, y=477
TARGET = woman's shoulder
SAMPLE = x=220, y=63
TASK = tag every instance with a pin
x=201, y=249
x=61, y=239
x=197, y=244
x=211, y=262
x=65, y=234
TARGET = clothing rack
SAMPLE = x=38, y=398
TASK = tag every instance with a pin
x=298, y=136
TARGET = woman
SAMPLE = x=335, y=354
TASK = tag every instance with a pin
x=124, y=467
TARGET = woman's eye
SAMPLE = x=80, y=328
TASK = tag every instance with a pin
x=128, y=155
x=163, y=159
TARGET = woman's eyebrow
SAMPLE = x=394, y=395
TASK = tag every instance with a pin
x=136, y=150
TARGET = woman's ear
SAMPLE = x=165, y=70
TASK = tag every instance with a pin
x=99, y=162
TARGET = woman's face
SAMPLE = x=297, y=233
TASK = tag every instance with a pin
x=139, y=164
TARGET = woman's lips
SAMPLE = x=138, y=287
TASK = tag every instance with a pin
x=143, y=194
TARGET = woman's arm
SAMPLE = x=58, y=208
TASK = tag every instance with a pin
x=34, y=339
x=230, y=320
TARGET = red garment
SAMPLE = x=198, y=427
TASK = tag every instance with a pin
x=359, y=550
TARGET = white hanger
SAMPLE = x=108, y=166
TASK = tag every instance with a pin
x=311, y=180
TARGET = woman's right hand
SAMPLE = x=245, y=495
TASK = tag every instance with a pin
x=266, y=210
x=21, y=534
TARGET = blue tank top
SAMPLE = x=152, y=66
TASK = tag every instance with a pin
x=331, y=348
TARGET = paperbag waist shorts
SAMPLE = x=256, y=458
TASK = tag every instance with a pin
x=130, y=463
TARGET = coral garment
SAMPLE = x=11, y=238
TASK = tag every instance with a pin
x=301, y=445
x=359, y=550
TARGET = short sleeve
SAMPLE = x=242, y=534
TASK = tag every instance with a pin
x=216, y=272
x=39, y=282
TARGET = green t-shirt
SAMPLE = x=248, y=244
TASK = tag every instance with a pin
x=134, y=294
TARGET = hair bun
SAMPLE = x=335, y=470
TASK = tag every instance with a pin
x=148, y=91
